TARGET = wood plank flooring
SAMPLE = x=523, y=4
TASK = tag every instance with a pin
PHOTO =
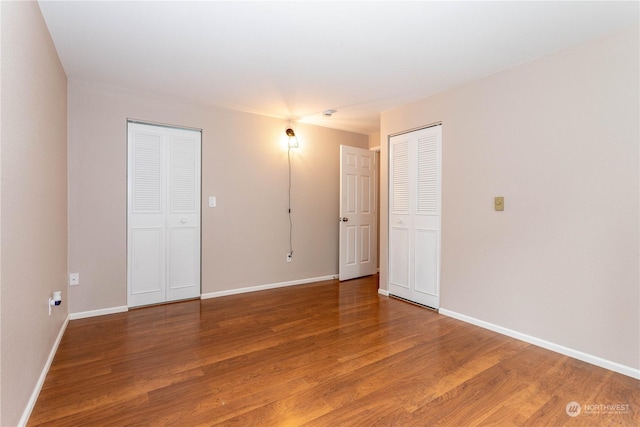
x=323, y=354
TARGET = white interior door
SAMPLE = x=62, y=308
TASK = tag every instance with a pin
x=357, y=212
x=415, y=161
x=163, y=227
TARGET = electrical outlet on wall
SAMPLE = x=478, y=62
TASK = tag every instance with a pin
x=74, y=279
x=289, y=256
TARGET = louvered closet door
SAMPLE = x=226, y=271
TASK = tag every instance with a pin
x=163, y=233
x=183, y=221
x=415, y=215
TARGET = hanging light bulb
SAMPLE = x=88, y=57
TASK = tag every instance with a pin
x=293, y=139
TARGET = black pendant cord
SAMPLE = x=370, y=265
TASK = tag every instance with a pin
x=290, y=220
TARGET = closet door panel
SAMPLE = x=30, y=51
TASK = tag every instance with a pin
x=184, y=216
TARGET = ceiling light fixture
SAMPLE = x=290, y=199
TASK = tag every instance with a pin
x=328, y=113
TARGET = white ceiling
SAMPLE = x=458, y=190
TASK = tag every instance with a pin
x=295, y=59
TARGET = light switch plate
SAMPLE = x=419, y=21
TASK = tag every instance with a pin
x=498, y=203
x=212, y=201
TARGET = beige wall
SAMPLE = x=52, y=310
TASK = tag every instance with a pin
x=558, y=138
x=34, y=202
x=245, y=239
x=374, y=140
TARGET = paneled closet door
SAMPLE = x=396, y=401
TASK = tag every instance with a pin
x=415, y=215
x=163, y=227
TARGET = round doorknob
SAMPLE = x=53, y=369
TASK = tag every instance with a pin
x=344, y=219
x=183, y=220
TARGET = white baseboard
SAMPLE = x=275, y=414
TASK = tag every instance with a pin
x=383, y=292
x=264, y=287
x=100, y=312
x=576, y=354
x=43, y=375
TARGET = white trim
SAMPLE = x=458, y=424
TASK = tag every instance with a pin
x=376, y=148
x=414, y=129
x=264, y=287
x=576, y=354
x=43, y=375
x=164, y=125
x=383, y=292
x=100, y=312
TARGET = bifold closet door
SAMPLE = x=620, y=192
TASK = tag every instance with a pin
x=415, y=160
x=163, y=227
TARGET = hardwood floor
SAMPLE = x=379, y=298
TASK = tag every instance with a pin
x=323, y=354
